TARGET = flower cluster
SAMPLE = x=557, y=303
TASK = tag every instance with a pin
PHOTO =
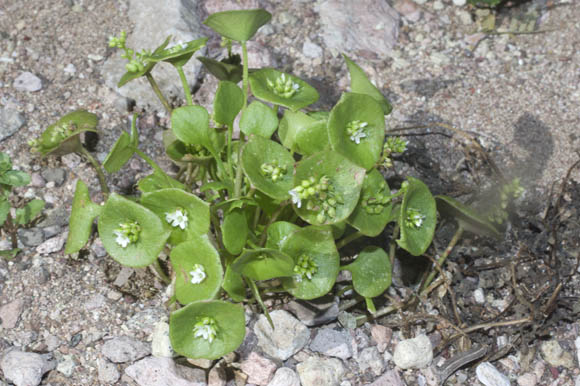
x=197, y=274
x=414, y=218
x=127, y=233
x=319, y=196
x=55, y=135
x=508, y=192
x=178, y=218
x=305, y=267
x=206, y=328
x=137, y=61
x=375, y=203
x=356, y=130
x=393, y=145
x=273, y=171
x=176, y=47
x=283, y=86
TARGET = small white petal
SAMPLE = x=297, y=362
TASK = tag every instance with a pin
x=197, y=274
x=295, y=198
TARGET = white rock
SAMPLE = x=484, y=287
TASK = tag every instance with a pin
x=438, y=5
x=70, y=69
x=527, y=379
x=414, y=353
x=577, y=344
x=52, y=245
x=66, y=365
x=553, y=353
x=464, y=17
x=108, y=372
x=320, y=372
x=459, y=3
x=490, y=376
x=25, y=368
x=288, y=337
x=161, y=344
x=479, y=296
x=285, y=377
x=27, y=81
x=370, y=358
x=153, y=371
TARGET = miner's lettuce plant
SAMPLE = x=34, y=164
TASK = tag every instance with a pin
x=253, y=212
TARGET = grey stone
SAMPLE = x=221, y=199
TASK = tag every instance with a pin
x=25, y=368
x=10, y=313
x=288, y=337
x=311, y=50
x=145, y=321
x=161, y=344
x=381, y=335
x=259, y=369
x=152, y=371
x=51, y=231
x=108, y=372
x=52, y=245
x=413, y=353
x=31, y=237
x=332, y=343
x=180, y=19
x=56, y=175
x=365, y=26
x=66, y=365
x=27, y=81
x=217, y=375
x=124, y=349
x=320, y=372
x=390, y=378
x=490, y=376
x=285, y=377
x=370, y=358
x=10, y=121
x=315, y=312
x=58, y=216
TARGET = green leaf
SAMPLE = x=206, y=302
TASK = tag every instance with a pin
x=9, y=254
x=238, y=25
x=190, y=124
x=5, y=162
x=264, y=264
x=223, y=71
x=82, y=215
x=466, y=217
x=152, y=237
x=278, y=233
x=268, y=166
x=123, y=149
x=353, y=109
x=312, y=138
x=129, y=76
x=235, y=231
x=4, y=210
x=417, y=201
x=185, y=259
x=234, y=285
x=345, y=182
x=302, y=95
x=228, y=101
x=371, y=272
x=15, y=178
x=167, y=201
x=258, y=119
x=29, y=212
x=62, y=137
x=292, y=123
x=230, y=327
x=373, y=211
x=318, y=245
x=158, y=180
x=179, y=55
x=359, y=83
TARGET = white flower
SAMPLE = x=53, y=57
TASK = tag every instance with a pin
x=197, y=274
x=418, y=220
x=180, y=45
x=177, y=218
x=122, y=238
x=295, y=197
x=356, y=137
x=206, y=332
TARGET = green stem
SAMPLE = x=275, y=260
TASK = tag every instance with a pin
x=258, y=298
x=348, y=239
x=158, y=92
x=98, y=169
x=442, y=258
x=229, y=150
x=362, y=319
x=162, y=275
x=371, y=306
x=185, y=85
x=147, y=159
x=393, y=245
x=245, y=73
x=238, y=179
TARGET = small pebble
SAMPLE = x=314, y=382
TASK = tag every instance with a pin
x=27, y=81
x=490, y=376
x=413, y=353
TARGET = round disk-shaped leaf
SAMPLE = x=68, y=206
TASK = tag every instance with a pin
x=191, y=259
x=234, y=285
x=82, y=215
x=230, y=325
x=345, y=181
x=373, y=211
x=316, y=245
x=312, y=138
x=371, y=272
x=291, y=124
x=179, y=54
x=238, y=25
x=152, y=236
x=278, y=233
x=268, y=166
x=166, y=202
x=417, y=218
x=235, y=231
x=363, y=113
x=359, y=83
x=262, y=82
x=190, y=124
x=258, y=119
x=228, y=102
x=467, y=217
x=264, y=264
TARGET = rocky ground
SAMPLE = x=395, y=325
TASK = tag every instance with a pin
x=76, y=320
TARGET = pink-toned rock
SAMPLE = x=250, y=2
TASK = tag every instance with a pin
x=217, y=375
x=381, y=336
x=390, y=378
x=409, y=9
x=9, y=313
x=212, y=6
x=528, y=379
x=259, y=369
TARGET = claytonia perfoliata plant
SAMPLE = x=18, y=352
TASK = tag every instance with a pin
x=267, y=212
